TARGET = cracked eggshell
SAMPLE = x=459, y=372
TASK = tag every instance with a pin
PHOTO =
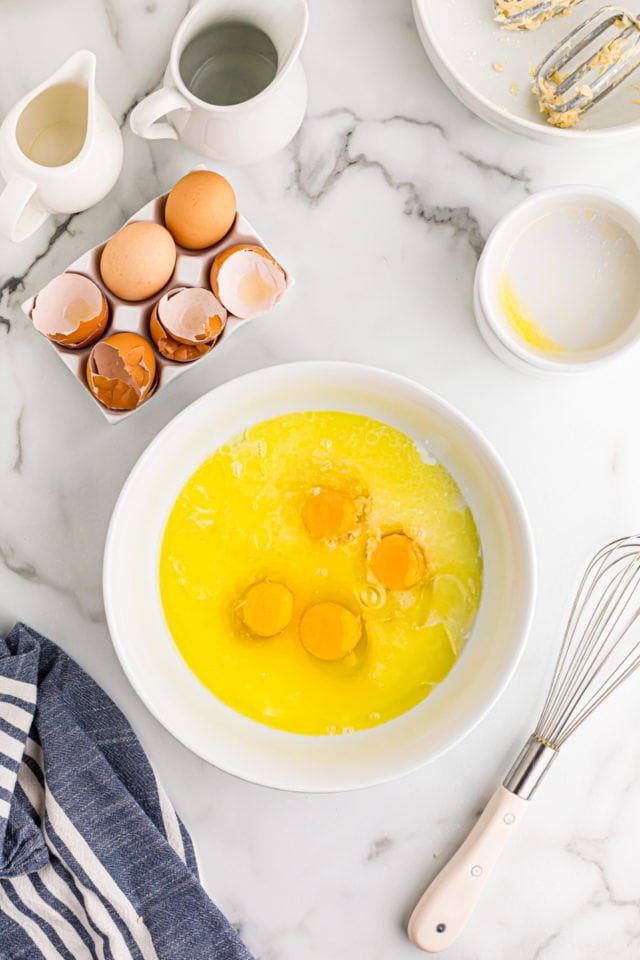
x=71, y=310
x=247, y=280
x=200, y=209
x=121, y=371
x=138, y=260
x=186, y=322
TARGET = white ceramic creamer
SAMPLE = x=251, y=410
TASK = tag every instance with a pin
x=238, y=132
x=60, y=149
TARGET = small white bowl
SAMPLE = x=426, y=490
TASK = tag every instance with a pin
x=251, y=750
x=488, y=69
x=575, y=252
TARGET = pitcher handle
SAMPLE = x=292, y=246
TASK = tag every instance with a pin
x=145, y=116
x=20, y=212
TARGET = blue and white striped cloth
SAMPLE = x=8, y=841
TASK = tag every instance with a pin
x=94, y=862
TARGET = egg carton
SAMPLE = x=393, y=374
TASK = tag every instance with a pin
x=191, y=270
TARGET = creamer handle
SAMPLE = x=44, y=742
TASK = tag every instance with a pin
x=448, y=903
x=145, y=116
x=20, y=212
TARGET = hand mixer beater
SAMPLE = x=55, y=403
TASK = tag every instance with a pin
x=588, y=64
x=529, y=14
x=600, y=649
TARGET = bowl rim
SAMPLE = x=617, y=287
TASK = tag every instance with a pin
x=485, y=271
x=526, y=546
x=500, y=117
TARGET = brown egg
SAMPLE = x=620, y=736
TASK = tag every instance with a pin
x=121, y=371
x=200, y=209
x=186, y=322
x=247, y=280
x=71, y=310
x=138, y=260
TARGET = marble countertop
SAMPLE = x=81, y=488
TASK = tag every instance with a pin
x=379, y=208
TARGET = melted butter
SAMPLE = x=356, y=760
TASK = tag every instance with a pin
x=238, y=520
x=519, y=319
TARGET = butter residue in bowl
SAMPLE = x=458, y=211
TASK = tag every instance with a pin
x=552, y=103
x=507, y=9
x=519, y=318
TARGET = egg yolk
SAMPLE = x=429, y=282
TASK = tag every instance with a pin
x=267, y=608
x=397, y=562
x=329, y=631
x=330, y=514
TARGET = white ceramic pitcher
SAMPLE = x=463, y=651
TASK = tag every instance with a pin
x=60, y=149
x=241, y=132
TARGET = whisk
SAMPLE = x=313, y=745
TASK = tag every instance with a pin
x=569, y=84
x=599, y=651
x=529, y=14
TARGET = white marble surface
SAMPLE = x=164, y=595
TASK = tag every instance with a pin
x=379, y=208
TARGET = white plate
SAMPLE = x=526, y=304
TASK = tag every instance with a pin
x=242, y=746
x=463, y=43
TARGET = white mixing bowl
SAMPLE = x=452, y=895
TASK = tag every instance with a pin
x=464, y=43
x=249, y=749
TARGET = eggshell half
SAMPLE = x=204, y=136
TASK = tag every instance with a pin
x=200, y=209
x=138, y=260
x=71, y=310
x=121, y=371
x=247, y=280
x=186, y=323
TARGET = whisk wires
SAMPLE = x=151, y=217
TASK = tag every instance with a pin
x=600, y=648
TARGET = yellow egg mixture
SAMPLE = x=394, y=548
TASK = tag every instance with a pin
x=318, y=575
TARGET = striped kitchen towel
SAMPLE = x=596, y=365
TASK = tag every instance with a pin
x=94, y=862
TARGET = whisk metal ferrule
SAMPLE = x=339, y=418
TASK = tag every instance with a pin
x=532, y=764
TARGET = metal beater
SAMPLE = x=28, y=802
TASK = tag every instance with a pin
x=569, y=84
x=599, y=651
x=529, y=14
